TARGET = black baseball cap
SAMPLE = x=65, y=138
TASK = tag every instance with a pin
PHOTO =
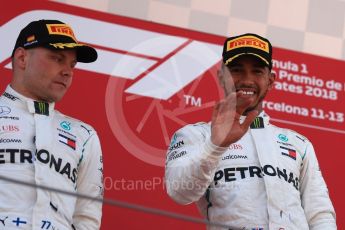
x=247, y=44
x=56, y=35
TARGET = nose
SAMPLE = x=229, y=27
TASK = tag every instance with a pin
x=67, y=71
x=67, y=74
x=247, y=80
x=247, y=75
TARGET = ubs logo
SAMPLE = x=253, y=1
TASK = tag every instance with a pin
x=235, y=146
x=8, y=128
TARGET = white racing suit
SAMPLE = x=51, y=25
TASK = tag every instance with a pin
x=41, y=146
x=269, y=179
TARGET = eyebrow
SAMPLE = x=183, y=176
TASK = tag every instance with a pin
x=256, y=65
x=62, y=54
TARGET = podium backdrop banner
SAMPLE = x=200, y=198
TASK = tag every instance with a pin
x=151, y=79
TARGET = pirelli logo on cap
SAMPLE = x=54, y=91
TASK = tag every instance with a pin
x=61, y=29
x=247, y=41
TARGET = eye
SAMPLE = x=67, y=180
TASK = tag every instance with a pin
x=73, y=64
x=259, y=71
x=235, y=70
x=57, y=58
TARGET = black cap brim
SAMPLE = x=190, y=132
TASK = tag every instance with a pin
x=86, y=54
x=258, y=57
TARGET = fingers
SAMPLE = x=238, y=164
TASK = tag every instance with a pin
x=215, y=111
x=230, y=102
x=234, y=105
x=224, y=107
x=227, y=103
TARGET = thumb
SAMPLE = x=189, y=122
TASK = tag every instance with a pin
x=249, y=119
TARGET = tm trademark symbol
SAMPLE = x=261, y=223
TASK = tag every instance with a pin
x=191, y=100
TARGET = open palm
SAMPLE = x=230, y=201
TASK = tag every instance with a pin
x=226, y=127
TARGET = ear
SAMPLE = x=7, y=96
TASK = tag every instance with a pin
x=271, y=79
x=19, y=57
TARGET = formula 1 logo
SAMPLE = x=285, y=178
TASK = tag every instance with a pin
x=169, y=63
x=157, y=81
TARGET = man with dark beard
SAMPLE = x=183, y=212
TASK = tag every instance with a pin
x=241, y=170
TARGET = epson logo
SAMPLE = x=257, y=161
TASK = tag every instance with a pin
x=176, y=145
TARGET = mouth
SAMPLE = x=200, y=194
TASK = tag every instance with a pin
x=246, y=91
x=61, y=84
